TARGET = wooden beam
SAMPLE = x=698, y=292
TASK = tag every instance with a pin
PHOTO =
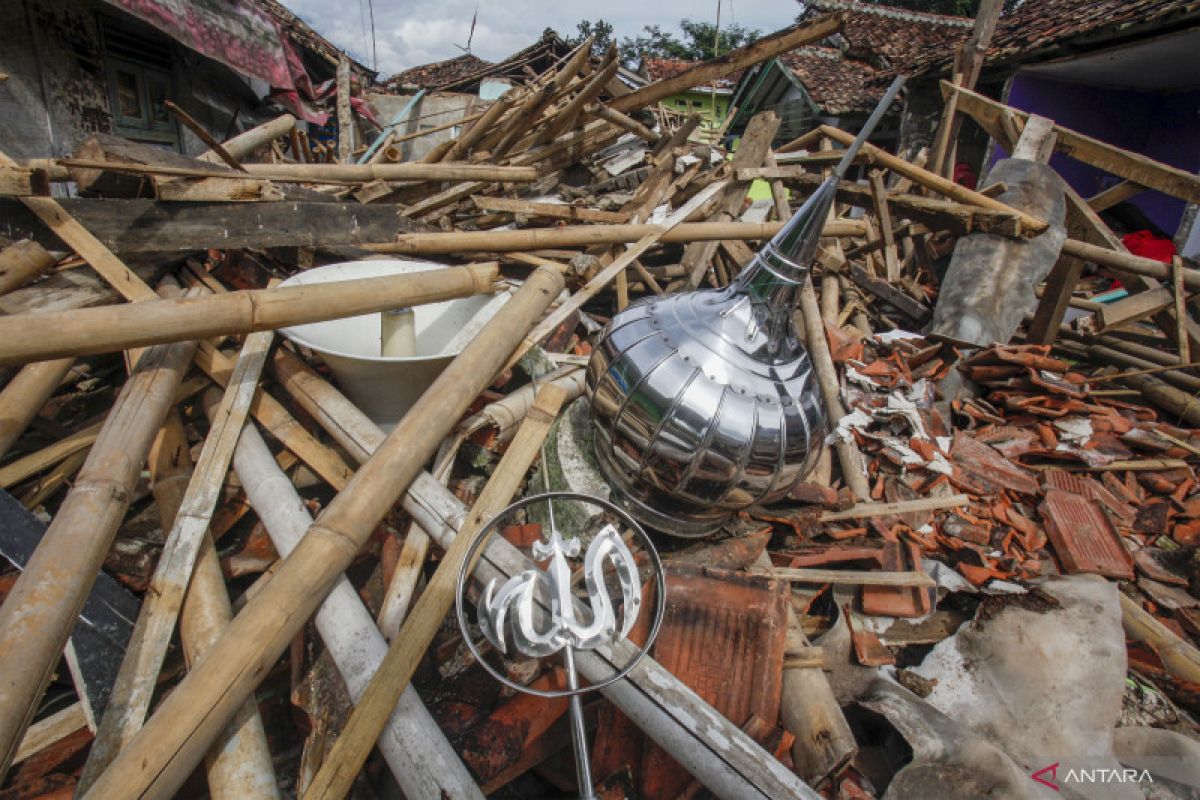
x=1123, y=163
x=735, y=60
x=1029, y=225
x=863, y=510
x=140, y=226
x=587, y=235
x=555, y=210
x=1114, y=195
x=854, y=577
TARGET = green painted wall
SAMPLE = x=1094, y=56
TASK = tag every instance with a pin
x=702, y=104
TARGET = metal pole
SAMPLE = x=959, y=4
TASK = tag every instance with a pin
x=583, y=767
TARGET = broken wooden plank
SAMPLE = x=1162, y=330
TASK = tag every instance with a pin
x=864, y=510
x=556, y=210
x=854, y=577
x=139, y=226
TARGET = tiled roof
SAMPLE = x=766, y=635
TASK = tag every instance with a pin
x=463, y=73
x=837, y=84
x=850, y=71
x=893, y=38
x=657, y=69
x=431, y=76
x=1039, y=27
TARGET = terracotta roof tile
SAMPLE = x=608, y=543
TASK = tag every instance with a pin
x=837, y=84
x=1046, y=24
x=657, y=69
x=429, y=76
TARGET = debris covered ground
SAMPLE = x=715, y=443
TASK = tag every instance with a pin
x=991, y=569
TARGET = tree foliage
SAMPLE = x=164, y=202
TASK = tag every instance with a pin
x=696, y=40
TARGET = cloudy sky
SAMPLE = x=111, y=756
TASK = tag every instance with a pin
x=411, y=32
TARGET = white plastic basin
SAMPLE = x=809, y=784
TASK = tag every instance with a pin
x=386, y=387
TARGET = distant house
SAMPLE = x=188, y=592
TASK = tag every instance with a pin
x=711, y=101
x=840, y=79
x=464, y=85
x=1124, y=71
x=75, y=67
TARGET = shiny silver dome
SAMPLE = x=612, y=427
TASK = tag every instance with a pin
x=704, y=403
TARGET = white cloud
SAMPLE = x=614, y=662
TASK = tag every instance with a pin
x=410, y=33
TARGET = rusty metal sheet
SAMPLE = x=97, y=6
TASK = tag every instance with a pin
x=1083, y=537
x=724, y=636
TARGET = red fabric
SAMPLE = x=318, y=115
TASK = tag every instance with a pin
x=1147, y=245
x=964, y=175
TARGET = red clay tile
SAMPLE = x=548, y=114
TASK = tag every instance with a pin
x=1083, y=538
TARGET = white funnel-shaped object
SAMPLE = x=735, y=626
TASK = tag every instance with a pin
x=385, y=387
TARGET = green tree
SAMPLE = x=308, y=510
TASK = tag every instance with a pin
x=602, y=30
x=698, y=42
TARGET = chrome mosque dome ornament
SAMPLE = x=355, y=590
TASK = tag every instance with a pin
x=540, y=611
x=704, y=403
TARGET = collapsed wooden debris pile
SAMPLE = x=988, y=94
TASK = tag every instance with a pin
x=251, y=579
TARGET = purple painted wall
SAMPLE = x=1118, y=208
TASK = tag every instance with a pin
x=1165, y=127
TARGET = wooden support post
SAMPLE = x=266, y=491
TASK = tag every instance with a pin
x=341, y=767
x=163, y=754
x=41, y=609
x=344, y=118
x=138, y=677
x=20, y=263
x=1181, y=311
x=891, y=258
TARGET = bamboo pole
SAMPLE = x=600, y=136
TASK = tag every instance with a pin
x=239, y=764
x=41, y=609
x=726, y=760
x=22, y=262
x=424, y=763
x=158, y=760
x=137, y=678
x=244, y=144
x=463, y=144
x=24, y=396
x=1179, y=657
x=336, y=776
x=606, y=275
x=944, y=186
x=1123, y=262
x=588, y=235
x=406, y=171
x=854, y=471
x=36, y=337
x=30, y=465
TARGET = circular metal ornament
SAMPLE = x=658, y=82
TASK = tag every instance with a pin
x=485, y=535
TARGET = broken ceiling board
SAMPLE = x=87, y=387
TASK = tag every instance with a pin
x=724, y=636
x=136, y=226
